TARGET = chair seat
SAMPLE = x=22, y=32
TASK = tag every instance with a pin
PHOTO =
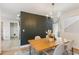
x=48, y=52
x=59, y=50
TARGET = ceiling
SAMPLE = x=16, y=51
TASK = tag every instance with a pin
x=37, y=8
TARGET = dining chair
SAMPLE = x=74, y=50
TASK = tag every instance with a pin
x=69, y=47
x=37, y=37
x=59, y=50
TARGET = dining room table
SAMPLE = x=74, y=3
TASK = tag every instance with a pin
x=41, y=44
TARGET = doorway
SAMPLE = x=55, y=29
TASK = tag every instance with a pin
x=14, y=34
x=13, y=31
x=14, y=41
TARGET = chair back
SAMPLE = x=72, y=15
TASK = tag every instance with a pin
x=37, y=37
x=59, y=50
x=69, y=47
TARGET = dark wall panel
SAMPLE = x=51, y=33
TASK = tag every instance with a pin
x=33, y=25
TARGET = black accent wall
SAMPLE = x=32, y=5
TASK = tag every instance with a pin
x=33, y=25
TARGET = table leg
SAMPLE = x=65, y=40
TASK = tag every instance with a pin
x=65, y=48
x=29, y=50
x=40, y=53
x=72, y=51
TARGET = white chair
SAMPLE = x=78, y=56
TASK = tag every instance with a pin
x=37, y=37
x=58, y=40
x=69, y=47
x=59, y=50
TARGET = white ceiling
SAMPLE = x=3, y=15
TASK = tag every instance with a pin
x=37, y=8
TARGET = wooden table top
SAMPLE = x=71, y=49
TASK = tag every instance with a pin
x=41, y=44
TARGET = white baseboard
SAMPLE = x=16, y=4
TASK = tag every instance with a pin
x=23, y=46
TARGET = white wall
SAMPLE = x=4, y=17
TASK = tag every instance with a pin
x=72, y=36
x=55, y=29
x=71, y=32
x=73, y=28
x=6, y=30
x=0, y=31
x=6, y=19
x=70, y=20
x=71, y=13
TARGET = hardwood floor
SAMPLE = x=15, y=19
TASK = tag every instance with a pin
x=10, y=44
x=10, y=47
x=13, y=51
